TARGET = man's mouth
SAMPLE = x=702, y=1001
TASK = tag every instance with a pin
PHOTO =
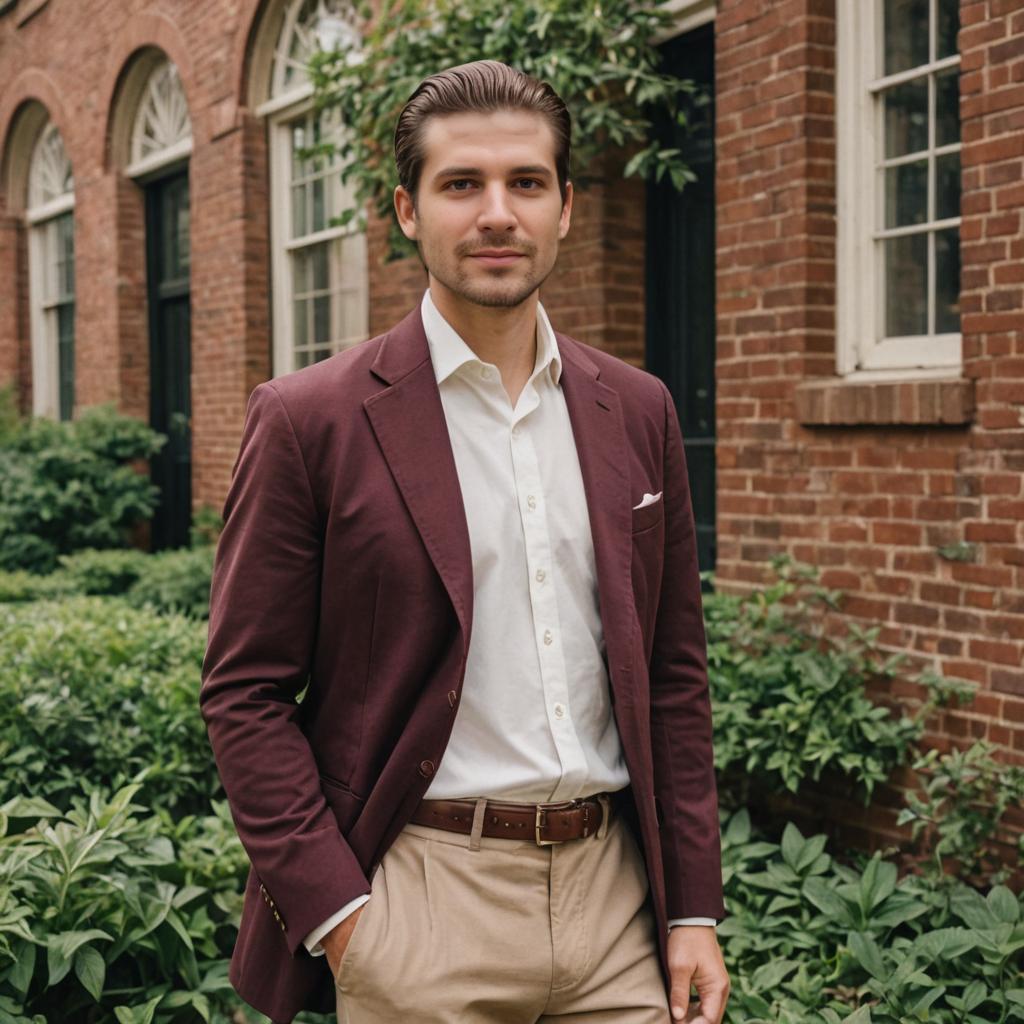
x=497, y=257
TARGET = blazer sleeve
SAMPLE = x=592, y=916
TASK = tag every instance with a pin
x=264, y=606
x=684, y=775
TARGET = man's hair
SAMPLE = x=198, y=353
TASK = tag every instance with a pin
x=483, y=86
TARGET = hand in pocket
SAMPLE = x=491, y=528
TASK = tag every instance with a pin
x=336, y=941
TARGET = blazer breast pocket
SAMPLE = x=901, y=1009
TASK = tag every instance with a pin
x=648, y=516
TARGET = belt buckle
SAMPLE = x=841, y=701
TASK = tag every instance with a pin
x=539, y=822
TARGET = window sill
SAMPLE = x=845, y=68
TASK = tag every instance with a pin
x=834, y=401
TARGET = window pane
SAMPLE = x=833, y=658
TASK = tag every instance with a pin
x=947, y=281
x=906, y=194
x=946, y=30
x=66, y=359
x=298, y=142
x=67, y=256
x=947, y=186
x=906, y=34
x=299, y=225
x=906, y=285
x=947, y=107
x=319, y=261
x=300, y=272
x=319, y=207
x=906, y=118
x=299, y=307
x=322, y=320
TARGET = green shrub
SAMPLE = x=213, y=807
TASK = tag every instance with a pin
x=176, y=581
x=93, y=688
x=19, y=586
x=812, y=941
x=70, y=485
x=954, y=820
x=102, y=919
x=107, y=572
x=789, y=702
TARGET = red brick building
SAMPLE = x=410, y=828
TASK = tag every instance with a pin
x=837, y=302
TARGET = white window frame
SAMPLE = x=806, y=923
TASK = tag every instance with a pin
x=861, y=351
x=173, y=143
x=39, y=216
x=280, y=110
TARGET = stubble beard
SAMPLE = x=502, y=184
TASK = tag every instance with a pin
x=504, y=290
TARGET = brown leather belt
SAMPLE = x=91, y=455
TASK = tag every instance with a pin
x=543, y=823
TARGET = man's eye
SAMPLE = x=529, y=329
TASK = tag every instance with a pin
x=456, y=185
x=529, y=183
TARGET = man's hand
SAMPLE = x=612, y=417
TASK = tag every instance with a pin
x=335, y=942
x=694, y=957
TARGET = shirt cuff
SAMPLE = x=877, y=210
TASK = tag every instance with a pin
x=312, y=940
x=709, y=921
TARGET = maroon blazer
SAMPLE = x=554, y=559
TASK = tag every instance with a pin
x=344, y=564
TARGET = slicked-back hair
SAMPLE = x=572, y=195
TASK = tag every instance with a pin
x=483, y=86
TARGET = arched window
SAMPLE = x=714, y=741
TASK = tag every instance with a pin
x=162, y=131
x=50, y=216
x=319, y=272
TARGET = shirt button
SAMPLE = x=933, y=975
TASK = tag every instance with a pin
x=515, y=430
x=540, y=575
x=559, y=710
x=426, y=769
x=548, y=636
x=485, y=373
x=531, y=501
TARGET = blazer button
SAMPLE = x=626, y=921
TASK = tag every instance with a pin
x=426, y=769
x=452, y=698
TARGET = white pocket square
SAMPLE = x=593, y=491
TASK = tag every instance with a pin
x=648, y=499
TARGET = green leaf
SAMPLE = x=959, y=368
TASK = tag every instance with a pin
x=1003, y=904
x=860, y=1016
x=61, y=949
x=137, y=1014
x=20, y=976
x=91, y=970
x=867, y=954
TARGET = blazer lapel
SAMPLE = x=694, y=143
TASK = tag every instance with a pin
x=409, y=422
x=597, y=424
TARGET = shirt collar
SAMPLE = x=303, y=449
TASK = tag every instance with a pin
x=448, y=351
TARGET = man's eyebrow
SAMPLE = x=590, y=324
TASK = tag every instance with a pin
x=475, y=172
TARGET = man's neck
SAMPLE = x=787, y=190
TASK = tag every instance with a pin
x=504, y=336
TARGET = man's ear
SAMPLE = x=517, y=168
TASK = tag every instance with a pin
x=563, y=223
x=405, y=209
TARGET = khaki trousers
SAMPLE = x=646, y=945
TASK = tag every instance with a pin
x=499, y=931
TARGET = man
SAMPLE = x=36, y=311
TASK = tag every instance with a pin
x=472, y=538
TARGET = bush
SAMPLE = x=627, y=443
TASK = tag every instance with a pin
x=101, y=573
x=177, y=580
x=791, y=703
x=70, y=485
x=812, y=941
x=101, y=918
x=965, y=795
x=93, y=688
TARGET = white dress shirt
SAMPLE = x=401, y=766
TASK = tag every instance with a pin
x=535, y=721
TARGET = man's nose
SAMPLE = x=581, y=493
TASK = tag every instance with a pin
x=496, y=213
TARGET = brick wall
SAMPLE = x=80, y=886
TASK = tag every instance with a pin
x=868, y=482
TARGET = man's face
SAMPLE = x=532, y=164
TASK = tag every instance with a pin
x=488, y=214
